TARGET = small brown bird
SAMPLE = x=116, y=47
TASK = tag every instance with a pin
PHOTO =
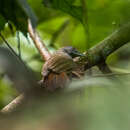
x=58, y=68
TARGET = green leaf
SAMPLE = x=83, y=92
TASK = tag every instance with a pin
x=15, y=11
x=29, y=11
x=2, y=22
x=65, y=6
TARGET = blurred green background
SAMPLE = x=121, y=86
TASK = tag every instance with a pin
x=104, y=103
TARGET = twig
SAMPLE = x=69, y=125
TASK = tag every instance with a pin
x=19, y=46
x=12, y=50
x=13, y=105
x=45, y=55
x=38, y=42
x=110, y=74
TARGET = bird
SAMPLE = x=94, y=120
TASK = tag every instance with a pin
x=57, y=70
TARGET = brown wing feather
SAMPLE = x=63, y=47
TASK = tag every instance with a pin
x=59, y=62
x=54, y=81
x=55, y=71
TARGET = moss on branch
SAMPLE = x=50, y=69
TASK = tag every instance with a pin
x=101, y=51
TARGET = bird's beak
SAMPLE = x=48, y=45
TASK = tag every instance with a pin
x=77, y=53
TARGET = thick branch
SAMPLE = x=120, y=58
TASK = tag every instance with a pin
x=38, y=42
x=101, y=51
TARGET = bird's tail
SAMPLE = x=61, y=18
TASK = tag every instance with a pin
x=54, y=81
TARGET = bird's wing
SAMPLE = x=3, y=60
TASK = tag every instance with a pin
x=59, y=62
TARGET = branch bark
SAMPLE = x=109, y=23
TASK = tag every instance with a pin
x=14, y=104
x=45, y=55
x=101, y=51
x=38, y=42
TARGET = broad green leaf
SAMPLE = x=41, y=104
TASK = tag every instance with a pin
x=15, y=11
x=29, y=12
x=65, y=6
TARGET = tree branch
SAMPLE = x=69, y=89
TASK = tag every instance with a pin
x=14, y=104
x=22, y=78
x=38, y=42
x=45, y=55
x=101, y=51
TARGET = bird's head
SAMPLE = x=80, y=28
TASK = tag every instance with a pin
x=72, y=51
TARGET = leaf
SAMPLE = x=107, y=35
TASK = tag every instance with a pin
x=14, y=11
x=29, y=11
x=65, y=6
x=2, y=22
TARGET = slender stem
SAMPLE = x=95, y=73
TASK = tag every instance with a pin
x=13, y=105
x=12, y=50
x=38, y=42
x=110, y=74
x=19, y=44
